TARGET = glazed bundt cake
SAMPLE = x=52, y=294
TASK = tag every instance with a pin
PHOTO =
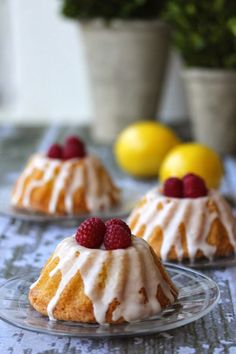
x=65, y=181
x=183, y=220
x=121, y=280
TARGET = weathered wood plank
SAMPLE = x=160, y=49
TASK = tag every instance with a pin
x=25, y=246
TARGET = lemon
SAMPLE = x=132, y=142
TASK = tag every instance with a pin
x=142, y=146
x=195, y=158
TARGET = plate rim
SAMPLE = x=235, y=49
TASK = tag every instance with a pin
x=207, y=264
x=168, y=327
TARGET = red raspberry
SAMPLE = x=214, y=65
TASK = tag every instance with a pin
x=55, y=151
x=194, y=186
x=116, y=237
x=173, y=187
x=74, y=148
x=73, y=139
x=188, y=175
x=91, y=233
x=73, y=151
x=120, y=222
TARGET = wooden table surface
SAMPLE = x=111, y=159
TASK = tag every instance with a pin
x=25, y=246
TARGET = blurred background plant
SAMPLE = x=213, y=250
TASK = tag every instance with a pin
x=204, y=31
x=110, y=9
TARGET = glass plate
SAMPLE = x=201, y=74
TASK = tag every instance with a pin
x=229, y=261
x=198, y=295
x=130, y=193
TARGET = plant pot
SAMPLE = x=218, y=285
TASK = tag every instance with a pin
x=212, y=102
x=127, y=61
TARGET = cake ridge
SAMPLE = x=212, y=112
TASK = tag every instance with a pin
x=74, y=258
x=99, y=192
x=59, y=184
x=191, y=214
x=77, y=182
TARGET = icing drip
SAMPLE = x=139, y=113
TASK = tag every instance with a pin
x=59, y=185
x=20, y=184
x=77, y=182
x=120, y=285
x=39, y=163
x=94, y=199
x=193, y=214
x=99, y=190
x=48, y=175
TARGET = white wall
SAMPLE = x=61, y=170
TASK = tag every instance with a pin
x=43, y=72
x=174, y=107
x=6, y=60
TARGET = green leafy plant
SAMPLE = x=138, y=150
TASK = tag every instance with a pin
x=204, y=31
x=110, y=9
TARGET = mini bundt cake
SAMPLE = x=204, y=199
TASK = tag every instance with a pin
x=182, y=220
x=102, y=275
x=65, y=181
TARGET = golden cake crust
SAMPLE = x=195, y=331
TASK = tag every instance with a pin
x=49, y=186
x=214, y=226
x=223, y=246
x=75, y=305
x=77, y=308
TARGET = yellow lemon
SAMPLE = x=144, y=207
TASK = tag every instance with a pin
x=142, y=146
x=195, y=158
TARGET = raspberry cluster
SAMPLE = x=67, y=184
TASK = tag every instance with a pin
x=190, y=186
x=114, y=234
x=72, y=148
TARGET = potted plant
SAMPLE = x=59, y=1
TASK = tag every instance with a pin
x=205, y=34
x=127, y=51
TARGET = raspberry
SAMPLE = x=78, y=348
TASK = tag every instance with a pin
x=194, y=186
x=116, y=236
x=188, y=175
x=90, y=233
x=74, y=148
x=55, y=151
x=120, y=222
x=173, y=187
x=73, y=139
x=73, y=151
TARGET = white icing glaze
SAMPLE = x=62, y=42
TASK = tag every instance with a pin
x=47, y=176
x=121, y=284
x=95, y=200
x=59, y=185
x=98, y=191
x=77, y=182
x=20, y=184
x=193, y=213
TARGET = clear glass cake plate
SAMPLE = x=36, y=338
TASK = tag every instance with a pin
x=198, y=295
